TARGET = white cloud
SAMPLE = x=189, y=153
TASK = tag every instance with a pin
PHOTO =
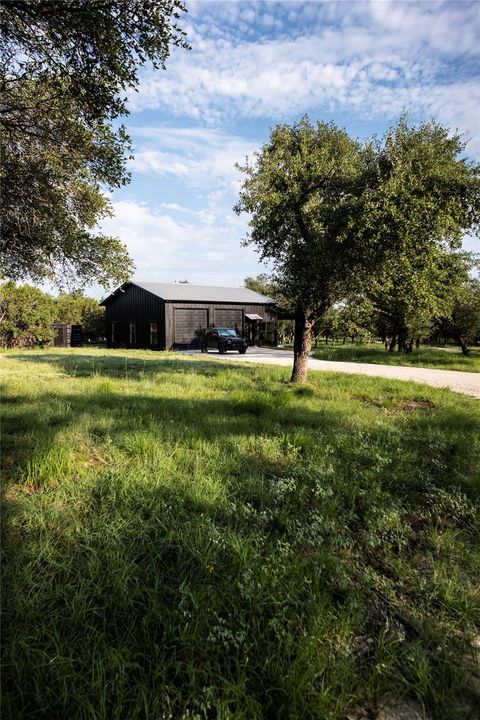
x=371, y=58
x=204, y=250
x=176, y=207
x=201, y=158
x=275, y=61
x=450, y=28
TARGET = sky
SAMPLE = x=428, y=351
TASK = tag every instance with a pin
x=253, y=65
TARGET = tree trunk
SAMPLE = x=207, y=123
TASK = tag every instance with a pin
x=463, y=344
x=393, y=342
x=302, y=345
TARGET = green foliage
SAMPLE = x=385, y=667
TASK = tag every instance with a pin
x=421, y=197
x=464, y=321
x=186, y=539
x=265, y=285
x=76, y=309
x=26, y=316
x=299, y=192
x=352, y=318
x=53, y=168
x=65, y=68
x=93, y=48
x=410, y=291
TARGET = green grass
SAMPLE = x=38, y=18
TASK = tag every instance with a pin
x=429, y=357
x=188, y=539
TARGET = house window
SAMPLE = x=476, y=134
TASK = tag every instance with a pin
x=133, y=333
x=153, y=333
x=268, y=331
x=113, y=332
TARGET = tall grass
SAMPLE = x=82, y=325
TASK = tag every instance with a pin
x=187, y=539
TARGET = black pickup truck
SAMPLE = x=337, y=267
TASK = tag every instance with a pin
x=223, y=339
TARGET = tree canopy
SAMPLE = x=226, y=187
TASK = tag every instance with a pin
x=330, y=214
x=301, y=191
x=65, y=69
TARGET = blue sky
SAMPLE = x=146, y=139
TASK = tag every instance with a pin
x=254, y=64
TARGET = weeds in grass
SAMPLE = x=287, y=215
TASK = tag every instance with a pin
x=189, y=540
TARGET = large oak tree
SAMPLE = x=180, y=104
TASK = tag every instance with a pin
x=65, y=69
x=330, y=214
x=301, y=191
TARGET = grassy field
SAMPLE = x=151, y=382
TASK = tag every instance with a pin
x=429, y=357
x=187, y=539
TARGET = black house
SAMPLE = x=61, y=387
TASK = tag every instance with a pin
x=161, y=316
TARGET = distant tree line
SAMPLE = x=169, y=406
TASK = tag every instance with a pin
x=27, y=316
x=371, y=315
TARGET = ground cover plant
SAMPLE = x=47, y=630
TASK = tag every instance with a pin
x=188, y=539
x=430, y=357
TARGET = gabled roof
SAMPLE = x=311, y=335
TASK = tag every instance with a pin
x=184, y=292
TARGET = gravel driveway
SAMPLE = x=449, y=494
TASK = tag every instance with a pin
x=467, y=383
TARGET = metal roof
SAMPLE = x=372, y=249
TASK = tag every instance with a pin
x=184, y=292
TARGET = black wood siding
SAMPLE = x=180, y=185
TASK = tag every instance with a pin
x=188, y=325
x=138, y=306
x=216, y=312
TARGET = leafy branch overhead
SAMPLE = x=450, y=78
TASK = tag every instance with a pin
x=64, y=74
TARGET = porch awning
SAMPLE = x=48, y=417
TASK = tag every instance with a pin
x=253, y=317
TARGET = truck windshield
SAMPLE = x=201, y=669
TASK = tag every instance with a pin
x=227, y=332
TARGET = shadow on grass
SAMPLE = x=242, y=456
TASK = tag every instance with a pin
x=231, y=556
x=126, y=366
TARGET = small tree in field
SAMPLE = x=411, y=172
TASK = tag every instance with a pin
x=300, y=193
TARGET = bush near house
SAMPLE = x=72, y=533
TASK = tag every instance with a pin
x=27, y=315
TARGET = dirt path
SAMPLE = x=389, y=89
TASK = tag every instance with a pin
x=467, y=383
